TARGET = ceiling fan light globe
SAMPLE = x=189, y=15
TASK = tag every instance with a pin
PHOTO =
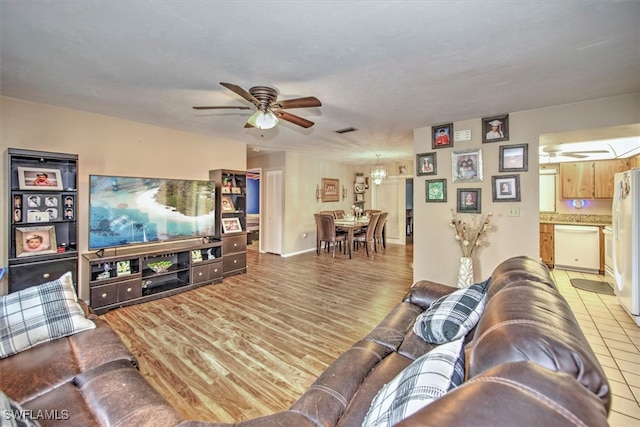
x=262, y=120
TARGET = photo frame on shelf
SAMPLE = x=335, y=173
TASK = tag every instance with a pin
x=35, y=240
x=69, y=214
x=442, y=136
x=495, y=128
x=231, y=225
x=17, y=215
x=227, y=204
x=436, y=190
x=505, y=188
x=330, y=191
x=42, y=207
x=39, y=179
x=426, y=164
x=469, y=200
x=466, y=166
x=514, y=158
x=196, y=255
x=123, y=268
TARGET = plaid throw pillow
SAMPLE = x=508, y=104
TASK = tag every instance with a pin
x=425, y=380
x=39, y=314
x=452, y=316
x=13, y=415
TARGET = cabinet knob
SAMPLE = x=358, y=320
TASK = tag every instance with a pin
x=235, y=244
x=129, y=289
x=235, y=261
x=215, y=270
x=46, y=275
x=104, y=295
x=200, y=273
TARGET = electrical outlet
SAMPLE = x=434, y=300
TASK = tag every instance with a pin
x=514, y=211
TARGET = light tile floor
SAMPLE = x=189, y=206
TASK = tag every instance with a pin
x=614, y=338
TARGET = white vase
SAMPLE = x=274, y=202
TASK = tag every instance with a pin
x=465, y=273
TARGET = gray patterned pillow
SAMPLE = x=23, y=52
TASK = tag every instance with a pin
x=452, y=316
x=39, y=314
x=13, y=415
x=425, y=380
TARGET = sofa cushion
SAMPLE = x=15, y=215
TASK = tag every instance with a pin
x=425, y=380
x=13, y=415
x=39, y=314
x=452, y=316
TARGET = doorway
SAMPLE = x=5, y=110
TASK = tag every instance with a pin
x=271, y=240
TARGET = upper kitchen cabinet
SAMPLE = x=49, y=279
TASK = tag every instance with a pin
x=590, y=180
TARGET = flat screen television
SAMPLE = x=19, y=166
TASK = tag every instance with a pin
x=128, y=210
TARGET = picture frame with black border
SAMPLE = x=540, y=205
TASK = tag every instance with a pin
x=495, y=128
x=466, y=166
x=69, y=214
x=435, y=190
x=442, y=136
x=469, y=200
x=39, y=179
x=514, y=158
x=505, y=188
x=427, y=164
x=69, y=201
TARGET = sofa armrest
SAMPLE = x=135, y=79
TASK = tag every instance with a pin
x=424, y=292
x=279, y=419
x=520, y=393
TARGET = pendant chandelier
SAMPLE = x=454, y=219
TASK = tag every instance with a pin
x=378, y=173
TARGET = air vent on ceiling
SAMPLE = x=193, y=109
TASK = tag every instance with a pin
x=346, y=130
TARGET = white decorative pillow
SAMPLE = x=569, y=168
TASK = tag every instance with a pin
x=425, y=380
x=13, y=415
x=452, y=316
x=39, y=314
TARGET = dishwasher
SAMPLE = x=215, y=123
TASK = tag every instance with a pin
x=577, y=247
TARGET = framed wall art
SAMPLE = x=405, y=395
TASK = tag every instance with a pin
x=426, y=164
x=39, y=179
x=442, y=136
x=436, y=190
x=330, y=191
x=506, y=188
x=35, y=240
x=495, y=128
x=466, y=166
x=469, y=200
x=514, y=158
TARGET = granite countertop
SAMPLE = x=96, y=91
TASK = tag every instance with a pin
x=575, y=219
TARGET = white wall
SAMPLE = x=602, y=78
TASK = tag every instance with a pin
x=436, y=253
x=109, y=146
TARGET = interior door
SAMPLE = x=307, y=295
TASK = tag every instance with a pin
x=390, y=197
x=272, y=230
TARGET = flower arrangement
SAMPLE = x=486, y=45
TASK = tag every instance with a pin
x=469, y=235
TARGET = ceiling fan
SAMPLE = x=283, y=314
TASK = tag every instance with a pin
x=557, y=150
x=269, y=109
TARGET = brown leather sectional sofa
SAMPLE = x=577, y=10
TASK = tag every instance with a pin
x=527, y=363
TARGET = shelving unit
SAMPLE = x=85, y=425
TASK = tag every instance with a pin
x=231, y=203
x=46, y=209
x=125, y=277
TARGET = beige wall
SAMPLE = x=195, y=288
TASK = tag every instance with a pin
x=436, y=253
x=109, y=146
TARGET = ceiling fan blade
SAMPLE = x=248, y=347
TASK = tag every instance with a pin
x=220, y=108
x=243, y=93
x=574, y=155
x=588, y=151
x=309, y=101
x=293, y=119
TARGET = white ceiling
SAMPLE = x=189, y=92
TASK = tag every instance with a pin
x=383, y=67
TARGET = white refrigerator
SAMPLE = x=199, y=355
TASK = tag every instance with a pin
x=626, y=241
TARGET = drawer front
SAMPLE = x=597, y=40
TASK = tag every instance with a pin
x=129, y=290
x=37, y=273
x=200, y=274
x=215, y=270
x=104, y=295
x=231, y=245
x=234, y=262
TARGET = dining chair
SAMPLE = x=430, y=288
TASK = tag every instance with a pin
x=370, y=211
x=326, y=232
x=338, y=214
x=368, y=238
x=378, y=234
x=327, y=213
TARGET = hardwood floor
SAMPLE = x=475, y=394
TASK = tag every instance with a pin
x=252, y=345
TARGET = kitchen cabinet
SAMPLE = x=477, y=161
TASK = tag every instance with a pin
x=590, y=180
x=546, y=244
x=634, y=162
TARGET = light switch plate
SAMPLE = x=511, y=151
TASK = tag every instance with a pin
x=514, y=211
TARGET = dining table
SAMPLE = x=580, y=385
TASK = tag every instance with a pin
x=351, y=225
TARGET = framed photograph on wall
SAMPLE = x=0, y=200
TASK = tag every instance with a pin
x=231, y=225
x=330, y=190
x=35, y=240
x=469, y=200
x=39, y=179
x=506, y=188
x=495, y=128
x=426, y=164
x=442, y=136
x=514, y=158
x=466, y=166
x=436, y=190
